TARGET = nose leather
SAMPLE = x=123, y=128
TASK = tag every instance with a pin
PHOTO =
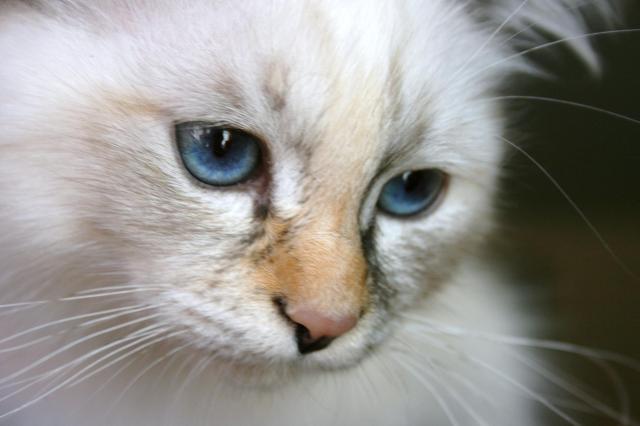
x=320, y=325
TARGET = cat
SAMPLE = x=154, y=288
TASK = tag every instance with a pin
x=262, y=212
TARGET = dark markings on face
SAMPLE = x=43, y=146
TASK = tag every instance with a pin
x=381, y=292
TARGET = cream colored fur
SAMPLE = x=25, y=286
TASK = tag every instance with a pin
x=92, y=194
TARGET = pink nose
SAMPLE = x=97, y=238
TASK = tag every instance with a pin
x=322, y=326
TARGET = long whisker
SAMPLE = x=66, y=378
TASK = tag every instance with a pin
x=75, y=343
x=577, y=209
x=61, y=369
x=488, y=40
x=566, y=102
x=120, y=287
x=154, y=332
x=587, y=352
x=104, y=384
x=553, y=43
x=526, y=390
x=622, y=417
x=438, y=397
x=84, y=324
x=23, y=304
x=108, y=294
x=432, y=374
x=117, y=315
x=515, y=383
x=68, y=319
x=73, y=377
x=143, y=372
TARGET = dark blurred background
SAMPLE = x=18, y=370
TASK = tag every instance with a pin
x=570, y=279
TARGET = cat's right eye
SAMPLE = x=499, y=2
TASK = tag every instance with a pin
x=218, y=156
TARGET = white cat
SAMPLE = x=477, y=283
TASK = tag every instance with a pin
x=259, y=212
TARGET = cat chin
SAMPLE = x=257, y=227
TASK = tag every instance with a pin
x=269, y=375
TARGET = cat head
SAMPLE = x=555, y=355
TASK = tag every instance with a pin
x=276, y=182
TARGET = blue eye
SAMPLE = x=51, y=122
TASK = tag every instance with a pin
x=218, y=156
x=411, y=192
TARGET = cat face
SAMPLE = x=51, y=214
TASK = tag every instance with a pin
x=338, y=107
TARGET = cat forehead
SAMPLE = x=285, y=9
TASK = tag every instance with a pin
x=377, y=75
x=325, y=67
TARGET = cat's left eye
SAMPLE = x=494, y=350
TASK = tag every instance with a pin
x=219, y=156
x=412, y=192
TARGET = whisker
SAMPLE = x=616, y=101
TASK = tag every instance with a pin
x=553, y=43
x=544, y=401
x=154, y=332
x=75, y=343
x=61, y=385
x=559, y=346
x=622, y=417
x=104, y=385
x=71, y=364
x=488, y=40
x=112, y=316
x=566, y=102
x=60, y=371
x=107, y=294
x=438, y=397
x=432, y=374
x=120, y=287
x=515, y=383
x=68, y=319
x=143, y=372
x=25, y=345
x=577, y=209
x=480, y=393
x=23, y=304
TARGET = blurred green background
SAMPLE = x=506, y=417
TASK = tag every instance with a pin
x=570, y=279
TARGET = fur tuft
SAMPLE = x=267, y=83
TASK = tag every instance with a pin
x=530, y=23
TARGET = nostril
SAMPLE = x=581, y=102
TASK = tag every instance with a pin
x=307, y=344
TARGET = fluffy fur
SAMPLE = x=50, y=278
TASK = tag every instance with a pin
x=157, y=287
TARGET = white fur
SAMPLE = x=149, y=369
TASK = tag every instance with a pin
x=93, y=194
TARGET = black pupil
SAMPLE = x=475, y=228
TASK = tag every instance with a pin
x=413, y=182
x=221, y=142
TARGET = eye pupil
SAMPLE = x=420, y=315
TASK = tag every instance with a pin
x=221, y=143
x=411, y=192
x=411, y=181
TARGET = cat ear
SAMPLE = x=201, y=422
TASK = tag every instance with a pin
x=530, y=23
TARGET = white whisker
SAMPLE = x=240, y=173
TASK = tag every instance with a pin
x=122, y=287
x=25, y=345
x=489, y=40
x=107, y=294
x=73, y=377
x=68, y=319
x=409, y=366
x=432, y=374
x=73, y=363
x=566, y=102
x=75, y=343
x=577, y=209
x=589, y=353
x=577, y=392
x=143, y=372
x=550, y=44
